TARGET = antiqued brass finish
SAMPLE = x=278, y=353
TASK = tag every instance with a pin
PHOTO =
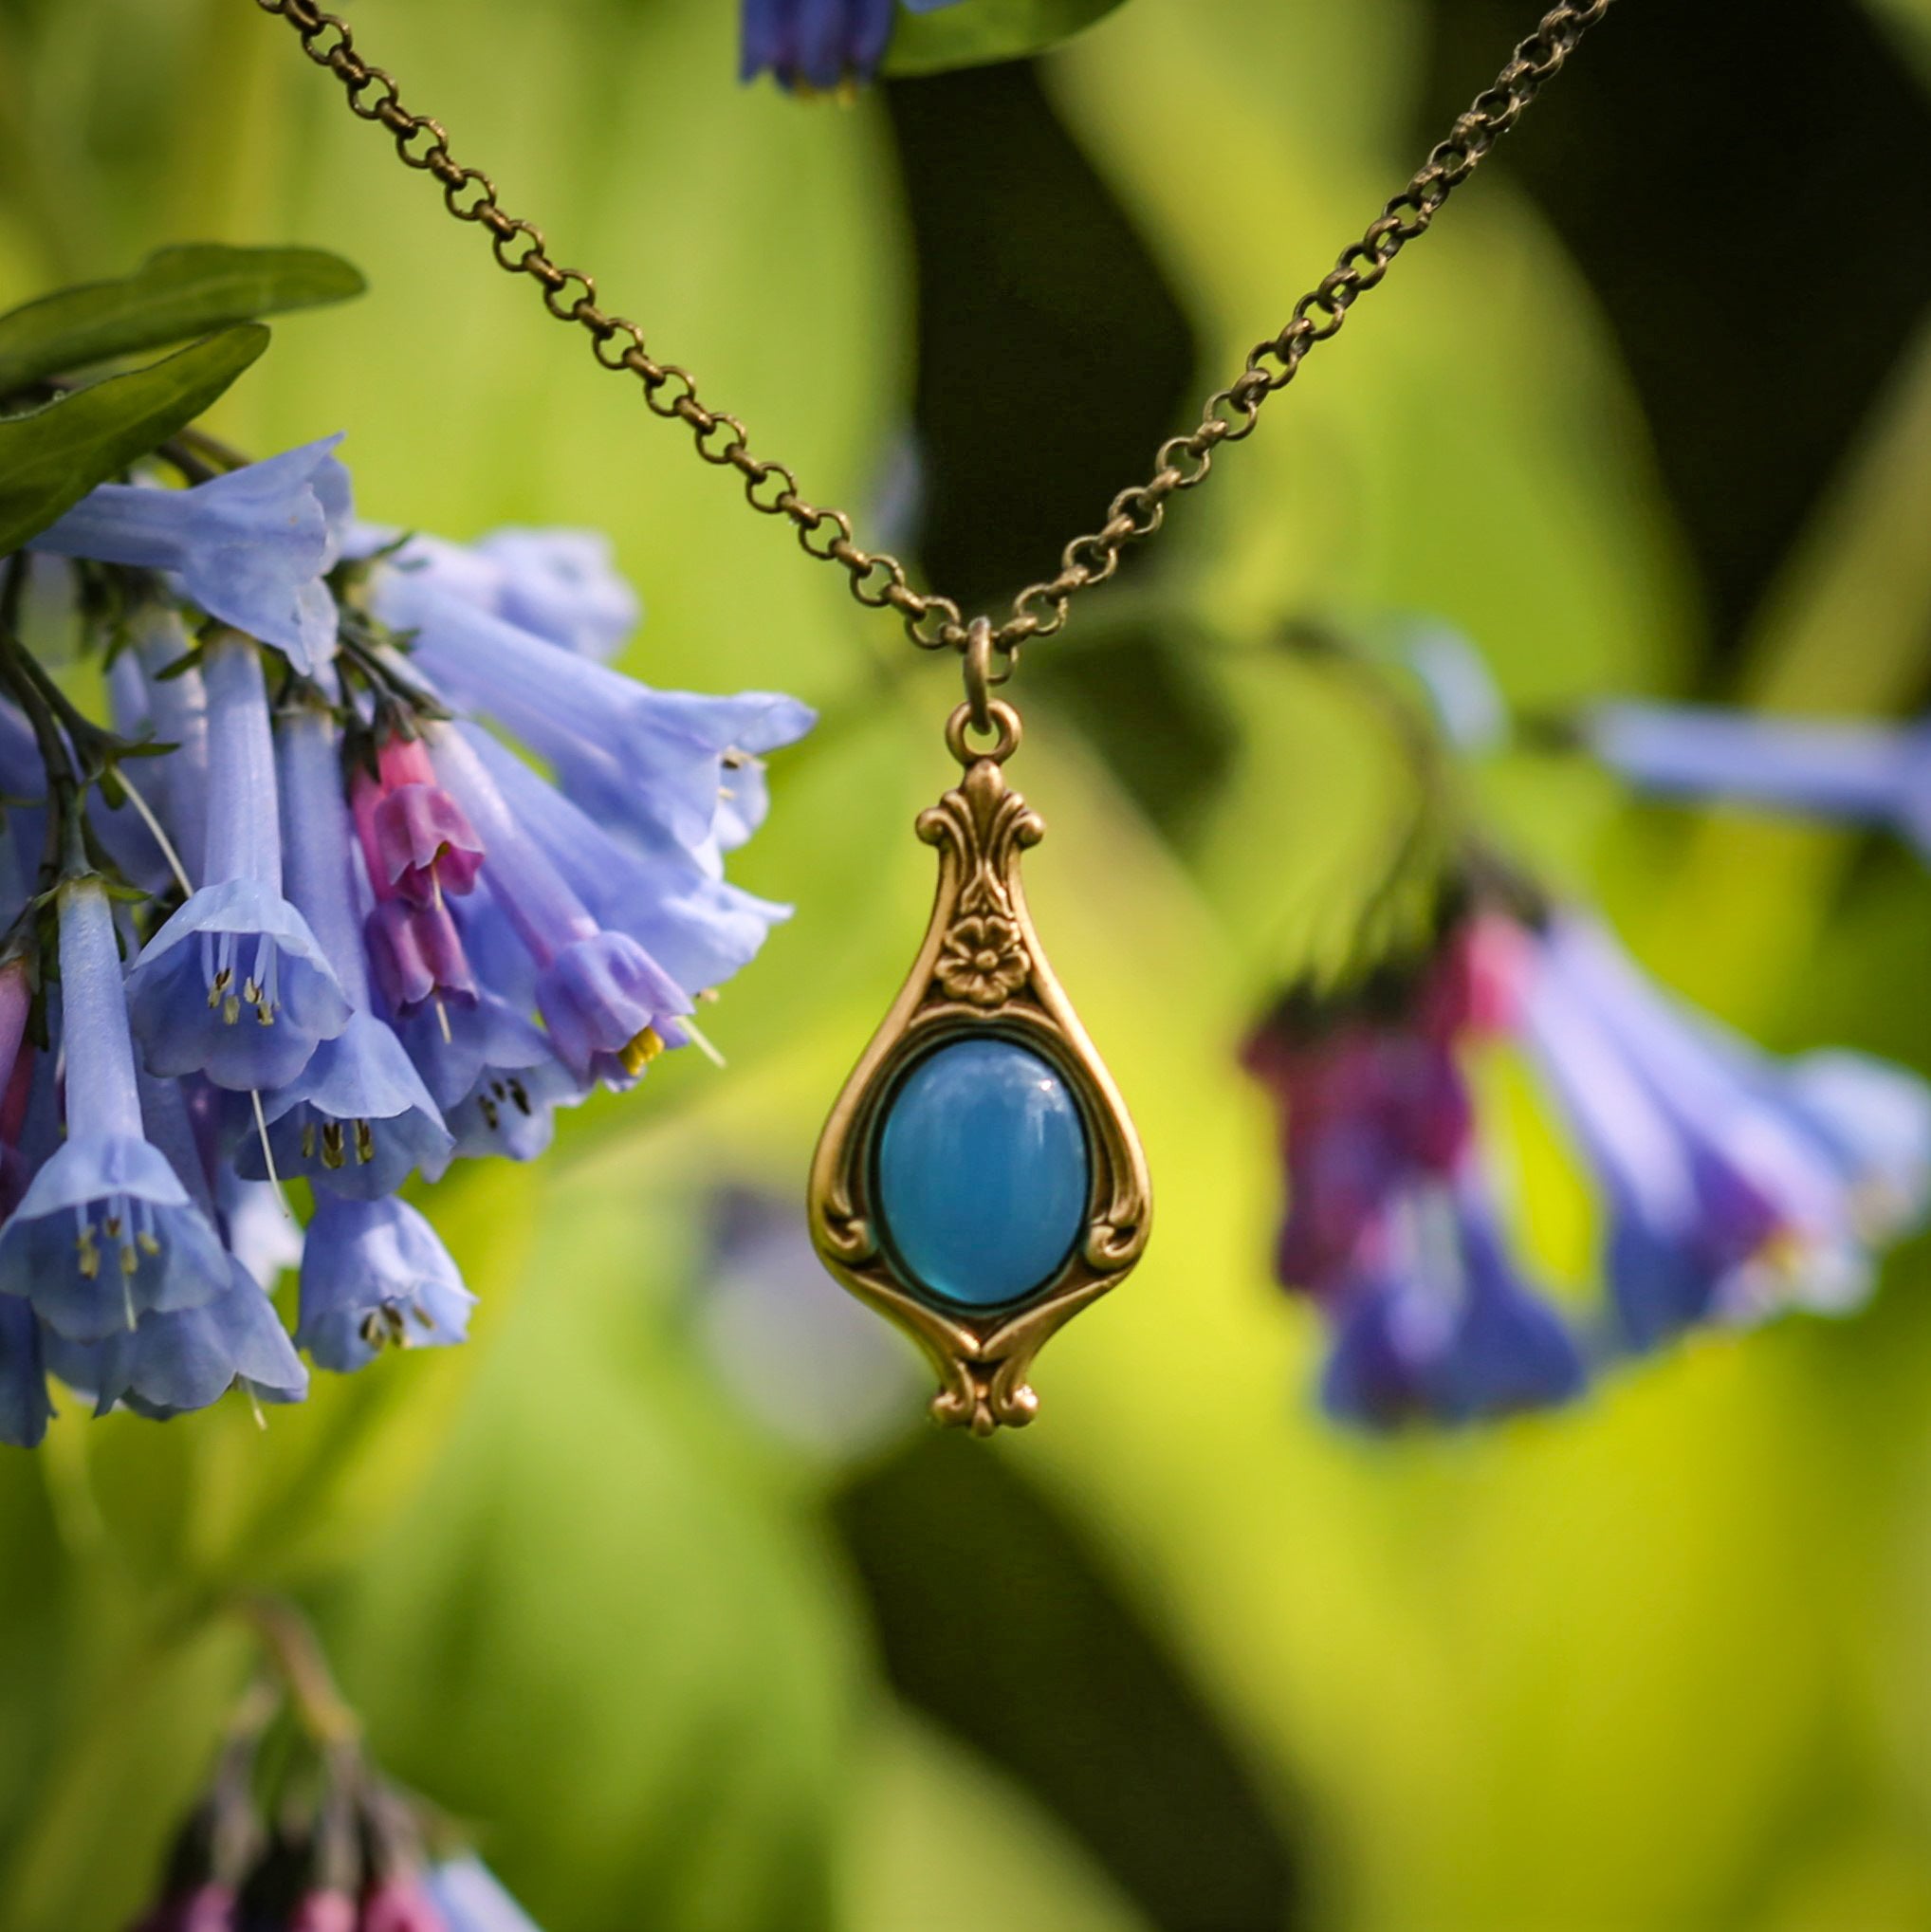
x=980, y=973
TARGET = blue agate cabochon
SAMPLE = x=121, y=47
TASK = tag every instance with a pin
x=983, y=1173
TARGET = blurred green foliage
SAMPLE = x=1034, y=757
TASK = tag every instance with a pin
x=1656, y=1663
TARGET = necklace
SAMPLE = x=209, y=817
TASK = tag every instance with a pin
x=978, y=1181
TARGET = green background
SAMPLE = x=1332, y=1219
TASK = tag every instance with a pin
x=704, y=1636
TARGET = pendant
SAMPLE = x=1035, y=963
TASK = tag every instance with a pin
x=978, y=1181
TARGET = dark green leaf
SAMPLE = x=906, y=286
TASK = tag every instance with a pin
x=51, y=457
x=977, y=31
x=174, y=295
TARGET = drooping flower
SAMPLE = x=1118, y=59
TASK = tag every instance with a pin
x=1737, y=1184
x=697, y=926
x=356, y=1119
x=1391, y=1227
x=561, y=585
x=1442, y=1325
x=375, y=1276
x=662, y=765
x=609, y=1006
x=1733, y=1185
x=820, y=45
x=173, y=1362
x=1858, y=772
x=416, y=840
x=234, y=985
x=250, y=547
x=106, y=1232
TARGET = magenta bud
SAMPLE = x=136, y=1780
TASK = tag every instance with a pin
x=417, y=953
x=400, y=1904
x=324, y=1912
x=422, y=843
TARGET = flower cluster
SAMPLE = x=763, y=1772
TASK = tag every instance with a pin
x=1732, y=1185
x=818, y=46
x=300, y=915
x=307, y=1836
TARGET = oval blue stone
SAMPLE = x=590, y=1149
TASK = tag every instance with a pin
x=983, y=1172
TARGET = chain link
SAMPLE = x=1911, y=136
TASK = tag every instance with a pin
x=876, y=579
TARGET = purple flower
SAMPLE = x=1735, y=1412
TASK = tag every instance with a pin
x=1735, y=1184
x=1450, y=1330
x=250, y=547
x=106, y=1232
x=816, y=46
x=699, y=929
x=662, y=765
x=610, y=1007
x=1865, y=773
x=234, y=985
x=472, y=1899
x=496, y=1077
x=373, y=1275
x=356, y=1119
x=171, y=1363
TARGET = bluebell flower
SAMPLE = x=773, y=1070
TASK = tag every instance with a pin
x=561, y=585
x=1389, y=1226
x=1737, y=1184
x=234, y=985
x=356, y=1119
x=250, y=548
x=608, y=1005
x=1448, y=1330
x=373, y=1275
x=175, y=786
x=171, y=1364
x=497, y=1077
x=819, y=46
x=106, y=1232
x=665, y=763
x=1861, y=773
x=700, y=929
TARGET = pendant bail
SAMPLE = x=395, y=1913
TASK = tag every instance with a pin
x=979, y=677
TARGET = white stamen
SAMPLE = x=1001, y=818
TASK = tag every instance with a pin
x=268, y=1154
x=698, y=1042
x=160, y=838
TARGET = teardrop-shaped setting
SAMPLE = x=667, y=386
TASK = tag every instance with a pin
x=978, y=1181
x=983, y=1176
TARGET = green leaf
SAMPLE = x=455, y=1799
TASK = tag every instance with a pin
x=174, y=296
x=51, y=457
x=978, y=32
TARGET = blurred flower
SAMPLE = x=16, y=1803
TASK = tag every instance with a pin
x=817, y=46
x=1733, y=1185
x=1863, y=773
x=470, y=1898
x=250, y=548
x=309, y=1836
x=1389, y=1226
x=801, y=1357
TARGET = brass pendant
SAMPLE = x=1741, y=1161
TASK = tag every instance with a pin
x=978, y=1181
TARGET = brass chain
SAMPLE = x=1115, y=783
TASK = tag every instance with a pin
x=879, y=581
